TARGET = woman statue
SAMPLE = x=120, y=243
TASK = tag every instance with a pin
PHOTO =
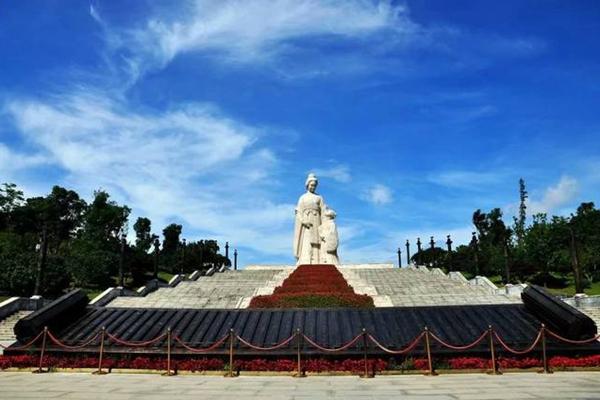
x=307, y=242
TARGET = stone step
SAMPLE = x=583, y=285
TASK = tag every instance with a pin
x=230, y=289
x=7, y=334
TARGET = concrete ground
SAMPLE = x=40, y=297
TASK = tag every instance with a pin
x=560, y=385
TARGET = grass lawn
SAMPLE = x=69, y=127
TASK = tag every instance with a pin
x=2, y=298
x=594, y=289
x=165, y=276
x=497, y=280
x=92, y=293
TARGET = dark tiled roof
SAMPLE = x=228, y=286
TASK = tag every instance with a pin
x=394, y=327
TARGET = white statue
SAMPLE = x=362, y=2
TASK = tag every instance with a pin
x=307, y=242
x=329, y=238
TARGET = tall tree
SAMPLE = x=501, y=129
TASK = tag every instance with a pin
x=585, y=225
x=95, y=253
x=519, y=226
x=494, y=242
x=104, y=219
x=64, y=215
x=171, y=234
x=10, y=197
x=143, y=234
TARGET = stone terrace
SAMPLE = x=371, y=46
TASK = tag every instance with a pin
x=387, y=285
x=229, y=289
x=407, y=287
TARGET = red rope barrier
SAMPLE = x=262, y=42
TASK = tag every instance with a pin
x=518, y=352
x=465, y=347
x=136, y=344
x=274, y=347
x=201, y=350
x=32, y=341
x=571, y=341
x=332, y=350
x=64, y=346
x=407, y=349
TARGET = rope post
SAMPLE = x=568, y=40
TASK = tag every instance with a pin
x=365, y=360
x=431, y=371
x=40, y=370
x=230, y=373
x=546, y=369
x=169, y=370
x=99, y=371
x=299, y=371
x=494, y=370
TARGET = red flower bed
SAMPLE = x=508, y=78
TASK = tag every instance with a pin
x=313, y=286
x=289, y=365
x=312, y=300
x=469, y=363
x=568, y=362
x=507, y=363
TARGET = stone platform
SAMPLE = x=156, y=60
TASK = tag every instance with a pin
x=229, y=289
x=389, y=287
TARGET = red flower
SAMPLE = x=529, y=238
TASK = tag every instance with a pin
x=313, y=286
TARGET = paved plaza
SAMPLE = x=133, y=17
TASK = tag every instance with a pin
x=560, y=385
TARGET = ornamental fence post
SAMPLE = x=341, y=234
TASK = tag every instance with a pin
x=99, y=371
x=40, y=370
x=230, y=373
x=494, y=370
x=365, y=360
x=299, y=371
x=169, y=370
x=431, y=371
x=546, y=369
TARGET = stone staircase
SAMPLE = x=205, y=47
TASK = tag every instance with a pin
x=407, y=287
x=228, y=289
x=7, y=335
x=388, y=286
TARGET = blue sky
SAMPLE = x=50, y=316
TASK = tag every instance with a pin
x=211, y=113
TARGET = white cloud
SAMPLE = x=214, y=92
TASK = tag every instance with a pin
x=377, y=194
x=358, y=250
x=251, y=30
x=467, y=179
x=340, y=173
x=188, y=163
x=555, y=196
x=11, y=161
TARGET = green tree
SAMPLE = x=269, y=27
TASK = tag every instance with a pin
x=104, y=220
x=10, y=198
x=494, y=243
x=64, y=214
x=435, y=258
x=143, y=234
x=519, y=223
x=170, y=258
x=171, y=235
x=586, y=229
x=95, y=252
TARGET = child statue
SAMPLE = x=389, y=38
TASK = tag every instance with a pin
x=329, y=237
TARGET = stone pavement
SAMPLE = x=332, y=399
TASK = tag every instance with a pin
x=560, y=385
